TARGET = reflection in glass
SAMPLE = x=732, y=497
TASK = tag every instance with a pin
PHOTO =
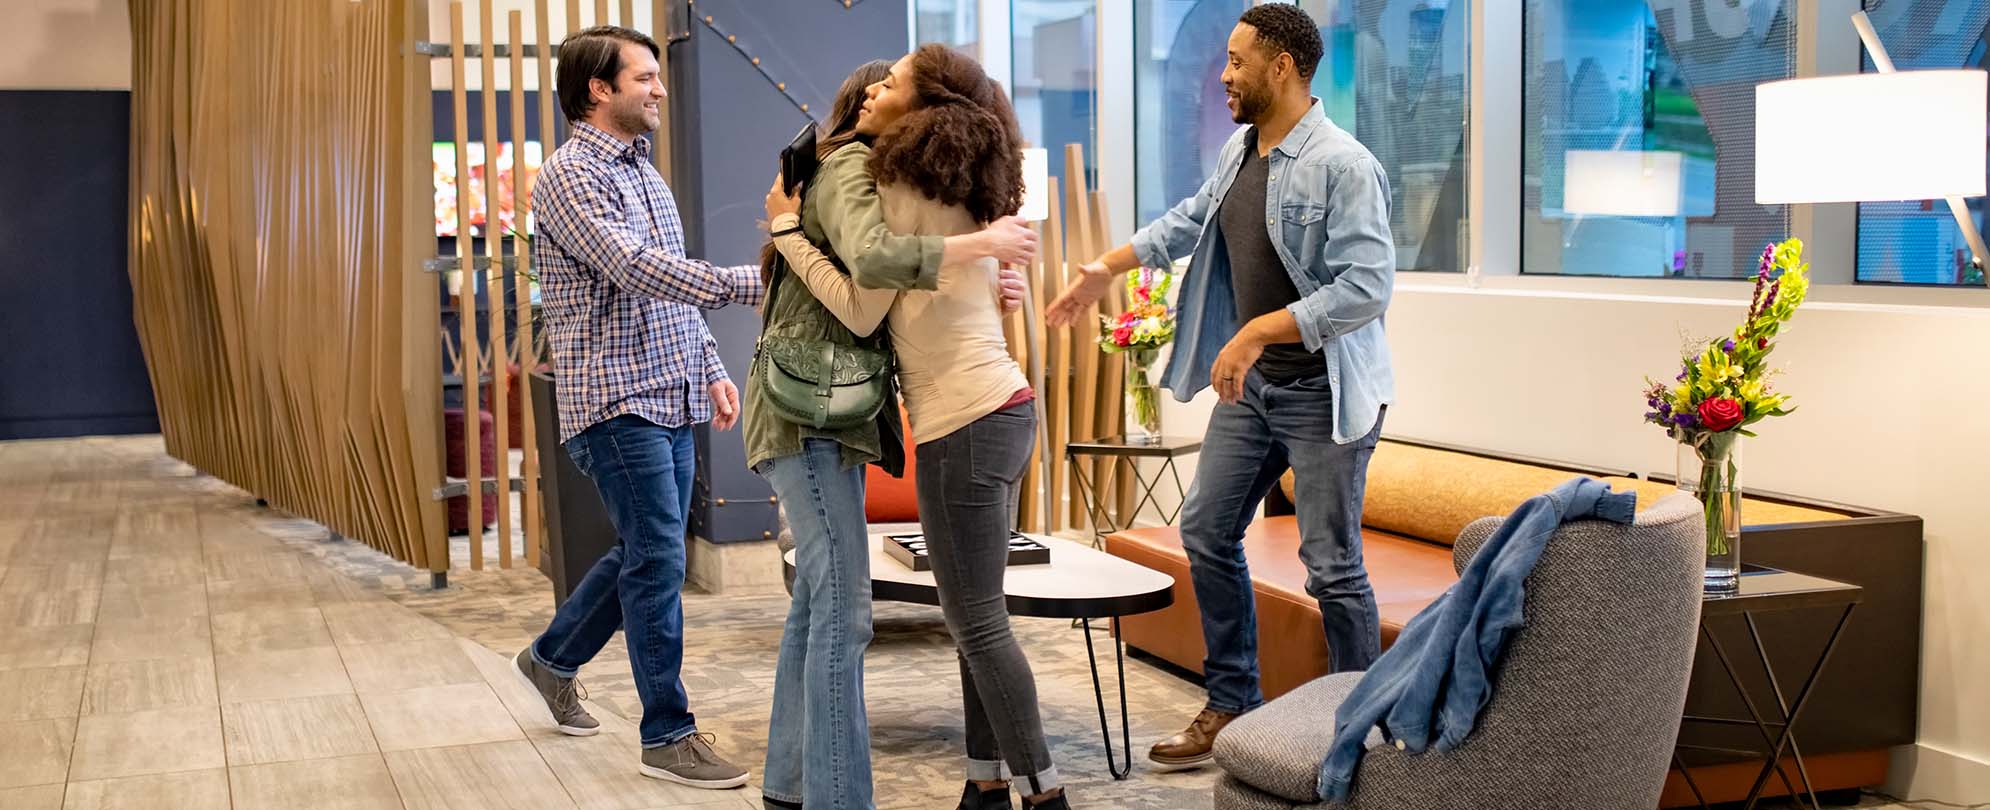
x=1918, y=242
x=1393, y=75
x=1660, y=88
x=1055, y=83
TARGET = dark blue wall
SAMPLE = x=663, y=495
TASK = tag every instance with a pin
x=729, y=126
x=71, y=365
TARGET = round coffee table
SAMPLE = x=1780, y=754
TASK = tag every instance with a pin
x=1079, y=582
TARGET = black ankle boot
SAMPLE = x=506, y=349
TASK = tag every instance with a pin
x=974, y=798
x=1056, y=802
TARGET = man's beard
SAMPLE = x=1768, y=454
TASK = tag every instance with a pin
x=1252, y=103
x=634, y=119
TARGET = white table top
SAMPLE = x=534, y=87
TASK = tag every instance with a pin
x=1086, y=581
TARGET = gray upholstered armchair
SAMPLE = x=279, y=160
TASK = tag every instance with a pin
x=1587, y=700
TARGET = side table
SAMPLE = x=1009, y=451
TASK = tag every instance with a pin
x=1127, y=452
x=1765, y=590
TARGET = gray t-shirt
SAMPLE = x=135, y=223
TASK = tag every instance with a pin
x=1258, y=277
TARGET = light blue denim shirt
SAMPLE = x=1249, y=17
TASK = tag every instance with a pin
x=1327, y=208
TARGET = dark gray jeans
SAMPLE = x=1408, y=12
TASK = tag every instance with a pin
x=967, y=485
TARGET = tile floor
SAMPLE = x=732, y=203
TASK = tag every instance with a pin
x=164, y=654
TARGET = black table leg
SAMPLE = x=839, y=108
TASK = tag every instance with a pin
x=1099, y=696
x=1796, y=708
x=1690, y=784
x=1768, y=740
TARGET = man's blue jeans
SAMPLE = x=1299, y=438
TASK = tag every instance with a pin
x=1249, y=446
x=644, y=473
x=818, y=740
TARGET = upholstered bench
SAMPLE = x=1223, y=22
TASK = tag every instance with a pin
x=1420, y=495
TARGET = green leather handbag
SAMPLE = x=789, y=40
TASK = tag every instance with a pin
x=817, y=383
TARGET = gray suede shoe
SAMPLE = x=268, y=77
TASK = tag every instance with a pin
x=691, y=761
x=562, y=696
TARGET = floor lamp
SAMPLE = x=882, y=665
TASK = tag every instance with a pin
x=1873, y=137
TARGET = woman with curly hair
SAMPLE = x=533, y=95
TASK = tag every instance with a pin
x=818, y=742
x=948, y=160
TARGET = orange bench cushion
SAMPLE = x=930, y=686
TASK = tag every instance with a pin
x=1406, y=575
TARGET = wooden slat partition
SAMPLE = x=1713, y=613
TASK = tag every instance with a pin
x=279, y=207
x=601, y=12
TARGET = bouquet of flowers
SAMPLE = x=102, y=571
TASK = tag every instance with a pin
x=1723, y=387
x=1147, y=325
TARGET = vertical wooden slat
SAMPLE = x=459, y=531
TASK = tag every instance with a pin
x=494, y=282
x=522, y=296
x=629, y=15
x=1112, y=376
x=601, y=13
x=547, y=92
x=466, y=297
x=660, y=31
x=1085, y=360
x=1057, y=365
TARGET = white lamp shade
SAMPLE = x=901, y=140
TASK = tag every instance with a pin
x=1910, y=135
x=1621, y=183
x=1036, y=185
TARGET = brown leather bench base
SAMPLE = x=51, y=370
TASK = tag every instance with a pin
x=1292, y=649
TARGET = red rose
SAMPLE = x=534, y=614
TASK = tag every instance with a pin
x=1720, y=413
x=1123, y=336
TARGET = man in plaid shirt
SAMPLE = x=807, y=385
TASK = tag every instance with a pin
x=637, y=370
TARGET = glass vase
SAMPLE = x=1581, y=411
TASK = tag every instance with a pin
x=1145, y=398
x=1710, y=470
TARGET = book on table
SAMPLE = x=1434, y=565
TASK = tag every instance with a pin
x=910, y=551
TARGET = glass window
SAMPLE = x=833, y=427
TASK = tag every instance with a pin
x=1393, y=74
x=948, y=22
x=1918, y=242
x=1180, y=117
x=1055, y=81
x=1638, y=132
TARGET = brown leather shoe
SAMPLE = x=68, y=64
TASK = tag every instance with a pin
x=1194, y=747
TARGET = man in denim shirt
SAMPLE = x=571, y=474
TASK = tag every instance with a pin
x=1281, y=310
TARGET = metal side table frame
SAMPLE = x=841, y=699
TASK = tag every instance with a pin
x=1763, y=590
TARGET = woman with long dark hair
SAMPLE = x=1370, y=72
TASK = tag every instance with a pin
x=818, y=748
x=948, y=160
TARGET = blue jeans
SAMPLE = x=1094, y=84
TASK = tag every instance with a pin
x=644, y=473
x=1249, y=446
x=818, y=741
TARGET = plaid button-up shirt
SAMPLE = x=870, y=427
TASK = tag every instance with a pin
x=621, y=298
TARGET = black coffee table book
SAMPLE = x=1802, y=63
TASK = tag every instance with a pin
x=910, y=551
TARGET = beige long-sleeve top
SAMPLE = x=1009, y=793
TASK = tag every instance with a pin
x=953, y=361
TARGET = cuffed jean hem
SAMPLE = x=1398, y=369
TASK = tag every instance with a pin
x=790, y=798
x=984, y=770
x=541, y=661
x=1217, y=707
x=672, y=738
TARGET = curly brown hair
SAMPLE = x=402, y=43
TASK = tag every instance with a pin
x=960, y=144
